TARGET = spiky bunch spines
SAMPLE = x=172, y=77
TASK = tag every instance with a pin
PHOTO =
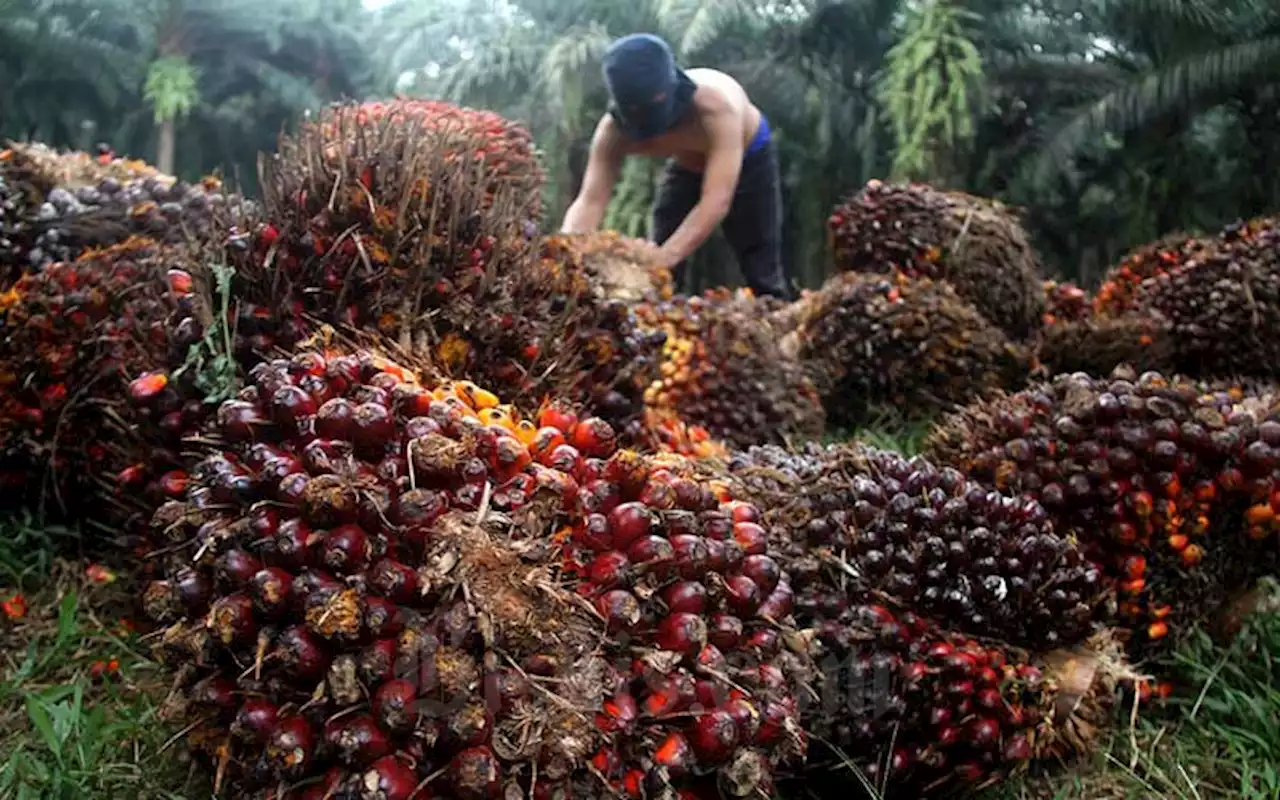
x=1153, y=475
x=501, y=152
x=54, y=205
x=1121, y=283
x=722, y=368
x=98, y=387
x=872, y=340
x=376, y=220
x=384, y=584
x=1224, y=303
x=977, y=245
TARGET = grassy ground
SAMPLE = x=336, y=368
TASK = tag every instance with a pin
x=79, y=696
x=80, y=700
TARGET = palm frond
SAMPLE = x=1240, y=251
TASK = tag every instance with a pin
x=1198, y=81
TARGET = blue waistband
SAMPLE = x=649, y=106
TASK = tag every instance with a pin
x=761, y=139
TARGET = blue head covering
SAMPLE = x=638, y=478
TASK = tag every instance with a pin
x=649, y=93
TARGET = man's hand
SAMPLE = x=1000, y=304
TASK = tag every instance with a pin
x=719, y=183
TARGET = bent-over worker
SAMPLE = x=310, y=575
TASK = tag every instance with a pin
x=722, y=167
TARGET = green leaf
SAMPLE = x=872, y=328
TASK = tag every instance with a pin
x=39, y=718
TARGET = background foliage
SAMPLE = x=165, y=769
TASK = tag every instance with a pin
x=1110, y=122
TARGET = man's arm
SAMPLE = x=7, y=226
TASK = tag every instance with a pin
x=719, y=183
x=603, y=160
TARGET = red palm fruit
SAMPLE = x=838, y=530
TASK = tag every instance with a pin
x=628, y=522
x=291, y=745
x=652, y=550
x=715, y=734
x=618, y=713
x=675, y=753
x=725, y=631
x=620, y=609
x=356, y=740
x=395, y=706
x=750, y=537
x=271, y=591
x=687, y=596
x=744, y=595
x=231, y=619
x=474, y=773
x=255, y=720
x=610, y=570
x=594, y=438
x=682, y=633
x=390, y=778
x=670, y=694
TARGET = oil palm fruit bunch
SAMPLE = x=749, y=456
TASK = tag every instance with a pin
x=1099, y=344
x=625, y=265
x=1120, y=285
x=417, y=593
x=60, y=203
x=977, y=245
x=722, y=368
x=914, y=343
x=879, y=524
x=415, y=220
x=1224, y=304
x=1065, y=302
x=1158, y=478
x=918, y=706
x=921, y=711
x=95, y=397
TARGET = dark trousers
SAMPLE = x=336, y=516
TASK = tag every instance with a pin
x=753, y=226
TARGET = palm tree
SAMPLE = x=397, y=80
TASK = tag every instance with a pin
x=1182, y=56
x=218, y=57
x=62, y=74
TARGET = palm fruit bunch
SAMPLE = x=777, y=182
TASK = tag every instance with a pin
x=1168, y=486
x=56, y=204
x=1120, y=285
x=721, y=368
x=95, y=397
x=1223, y=304
x=419, y=593
x=977, y=245
x=1098, y=344
x=415, y=220
x=920, y=711
x=890, y=340
x=625, y=265
x=880, y=549
x=1065, y=302
x=884, y=525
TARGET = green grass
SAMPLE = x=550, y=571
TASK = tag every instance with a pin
x=66, y=734
x=1220, y=738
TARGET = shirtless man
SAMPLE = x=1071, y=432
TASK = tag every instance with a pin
x=722, y=166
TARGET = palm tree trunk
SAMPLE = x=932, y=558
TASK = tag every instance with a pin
x=165, y=146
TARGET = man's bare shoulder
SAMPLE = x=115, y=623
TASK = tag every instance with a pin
x=717, y=92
